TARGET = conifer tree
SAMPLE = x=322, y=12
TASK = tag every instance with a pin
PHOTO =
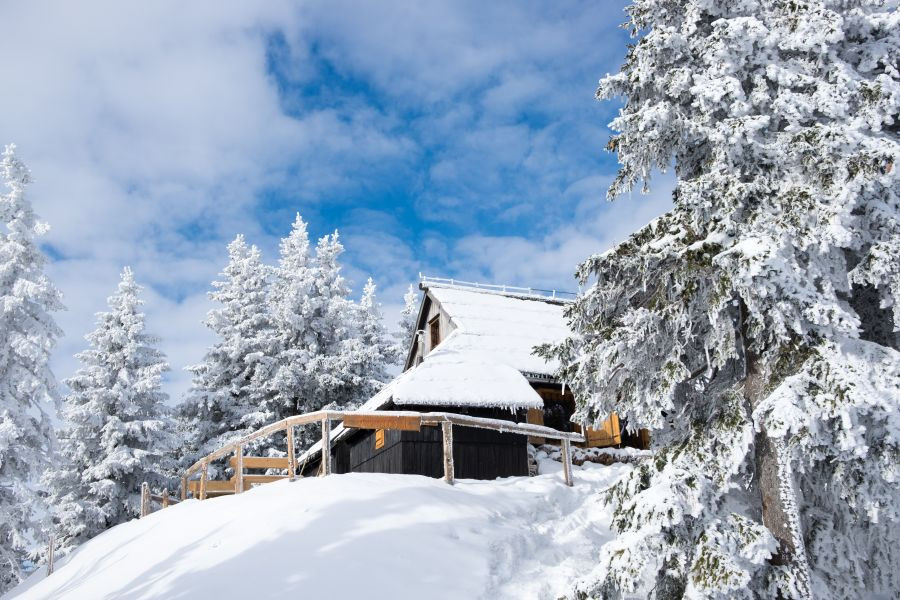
x=367, y=353
x=328, y=377
x=753, y=328
x=290, y=306
x=406, y=325
x=27, y=386
x=317, y=358
x=226, y=395
x=117, y=431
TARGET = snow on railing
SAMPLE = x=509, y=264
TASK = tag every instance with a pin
x=503, y=289
x=403, y=420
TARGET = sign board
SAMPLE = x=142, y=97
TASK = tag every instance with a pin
x=383, y=422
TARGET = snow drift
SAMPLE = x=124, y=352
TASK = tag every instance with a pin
x=349, y=536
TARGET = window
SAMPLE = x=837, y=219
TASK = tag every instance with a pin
x=379, y=438
x=434, y=331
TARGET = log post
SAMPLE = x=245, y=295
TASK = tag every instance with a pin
x=447, y=430
x=145, y=499
x=204, y=476
x=184, y=480
x=51, y=547
x=165, y=498
x=238, y=469
x=292, y=459
x=567, y=461
x=326, y=446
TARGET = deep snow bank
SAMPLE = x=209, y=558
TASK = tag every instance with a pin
x=352, y=536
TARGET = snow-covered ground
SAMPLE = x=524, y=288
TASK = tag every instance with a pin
x=352, y=536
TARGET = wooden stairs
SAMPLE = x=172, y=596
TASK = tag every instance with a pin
x=230, y=486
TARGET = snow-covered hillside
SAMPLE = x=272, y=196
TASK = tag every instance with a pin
x=352, y=536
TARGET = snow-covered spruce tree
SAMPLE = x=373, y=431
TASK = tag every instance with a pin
x=406, y=326
x=226, y=396
x=27, y=386
x=290, y=307
x=117, y=432
x=313, y=363
x=754, y=327
x=331, y=375
x=367, y=353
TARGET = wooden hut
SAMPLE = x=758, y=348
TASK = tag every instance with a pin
x=473, y=354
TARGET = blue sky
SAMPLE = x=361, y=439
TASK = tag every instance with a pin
x=451, y=138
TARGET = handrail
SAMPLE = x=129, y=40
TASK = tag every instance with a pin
x=444, y=419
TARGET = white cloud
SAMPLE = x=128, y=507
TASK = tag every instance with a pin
x=157, y=131
x=549, y=261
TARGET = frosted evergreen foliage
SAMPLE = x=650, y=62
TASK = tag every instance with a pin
x=117, y=431
x=369, y=351
x=228, y=396
x=28, y=389
x=318, y=358
x=406, y=326
x=753, y=328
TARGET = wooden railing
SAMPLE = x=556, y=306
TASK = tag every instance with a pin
x=403, y=420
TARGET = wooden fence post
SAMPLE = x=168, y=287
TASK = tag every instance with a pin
x=51, y=547
x=165, y=498
x=145, y=499
x=326, y=446
x=204, y=476
x=292, y=460
x=567, y=462
x=184, y=480
x=447, y=430
x=238, y=469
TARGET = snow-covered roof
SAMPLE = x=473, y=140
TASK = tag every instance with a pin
x=502, y=328
x=487, y=359
x=453, y=375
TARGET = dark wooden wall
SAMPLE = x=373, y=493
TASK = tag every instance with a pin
x=477, y=453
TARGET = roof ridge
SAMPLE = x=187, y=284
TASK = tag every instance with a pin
x=509, y=291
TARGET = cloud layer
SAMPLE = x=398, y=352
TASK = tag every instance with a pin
x=453, y=138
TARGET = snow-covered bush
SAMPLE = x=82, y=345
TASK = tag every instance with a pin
x=753, y=328
x=27, y=386
x=117, y=431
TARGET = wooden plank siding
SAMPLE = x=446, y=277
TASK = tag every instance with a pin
x=477, y=453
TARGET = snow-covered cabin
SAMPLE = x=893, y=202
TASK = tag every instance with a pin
x=473, y=354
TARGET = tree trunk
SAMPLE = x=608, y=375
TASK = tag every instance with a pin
x=774, y=481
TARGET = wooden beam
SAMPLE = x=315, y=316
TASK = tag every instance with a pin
x=238, y=469
x=402, y=423
x=326, y=446
x=51, y=547
x=261, y=462
x=216, y=487
x=291, y=457
x=447, y=430
x=145, y=499
x=184, y=485
x=204, y=477
x=251, y=480
x=501, y=426
x=567, y=462
x=165, y=498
